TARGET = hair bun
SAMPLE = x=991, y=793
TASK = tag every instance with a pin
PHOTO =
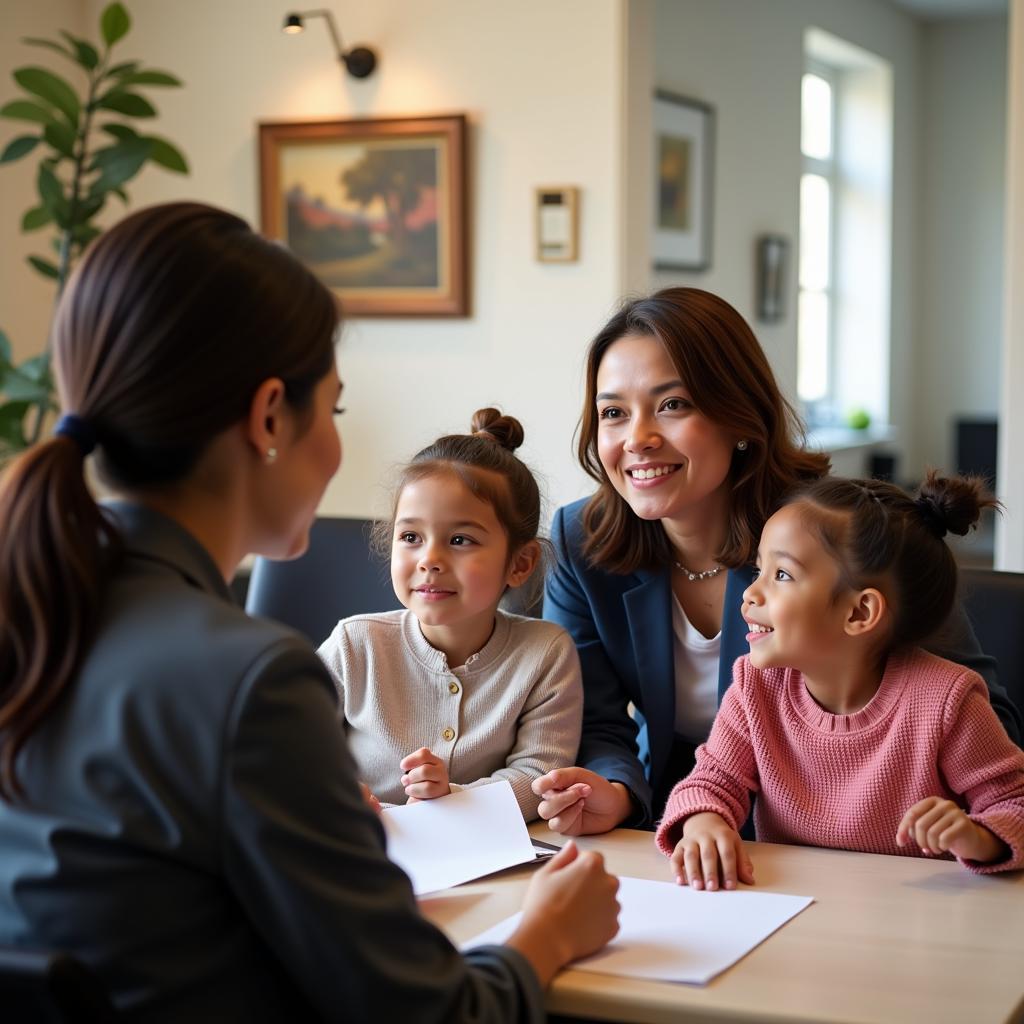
x=506, y=431
x=952, y=504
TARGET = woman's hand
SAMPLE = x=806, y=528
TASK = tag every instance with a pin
x=569, y=911
x=426, y=776
x=577, y=802
x=938, y=826
x=710, y=850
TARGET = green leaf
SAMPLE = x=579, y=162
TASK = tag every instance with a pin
x=129, y=103
x=12, y=415
x=5, y=348
x=52, y=88
x=37, y=217
x=121, y=194
x=83, y=234
x=36, y=369
x=114, y=23
x=85, y=53
x=120, y=131
x=49, y=44
x=51, y=191
x=122, y=69
x=149, y=78
x=167, y=155
x=86, y=209
x=61, y=137
x=25, y=110
x=18, y=147
x=20, y=387
x=45, y=267
x=119, y=163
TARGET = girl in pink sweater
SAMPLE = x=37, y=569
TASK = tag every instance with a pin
x=850, y=735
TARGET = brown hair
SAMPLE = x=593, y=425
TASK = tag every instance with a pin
x=165, y=331
x=717, y=356
x=882, y=537
x=478, y=458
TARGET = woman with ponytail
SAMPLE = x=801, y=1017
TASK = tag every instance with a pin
x=175, y=808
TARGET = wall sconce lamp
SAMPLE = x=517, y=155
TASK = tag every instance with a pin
x=360, y=60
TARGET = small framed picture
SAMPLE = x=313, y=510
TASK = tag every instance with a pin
x=557, y=224
x=375, y=207
x=683, y=169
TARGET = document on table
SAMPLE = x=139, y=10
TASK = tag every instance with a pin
x=671, y=932
x=457, y=838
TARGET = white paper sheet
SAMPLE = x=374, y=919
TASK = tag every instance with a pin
x=670, y=932
x=457, y=838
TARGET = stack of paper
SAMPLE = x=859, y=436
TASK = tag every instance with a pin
x=670, y=932
x=444, y=842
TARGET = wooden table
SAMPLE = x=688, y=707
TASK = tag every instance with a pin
x=900, y=939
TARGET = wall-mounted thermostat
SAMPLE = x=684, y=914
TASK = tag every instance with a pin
x=557, y=224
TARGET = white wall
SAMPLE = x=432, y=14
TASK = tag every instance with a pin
x=963, y=208
x=541, y=83
x=26, y=298
x=1010, y=526
x=745, y=58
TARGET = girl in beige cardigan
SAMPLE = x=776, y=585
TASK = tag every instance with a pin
x=452, y=691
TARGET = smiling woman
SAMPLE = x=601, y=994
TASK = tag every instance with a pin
x=693, y=447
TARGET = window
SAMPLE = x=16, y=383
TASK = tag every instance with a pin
x=817, y=189
x=845, y=258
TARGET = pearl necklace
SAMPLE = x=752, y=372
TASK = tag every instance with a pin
x=707, y=574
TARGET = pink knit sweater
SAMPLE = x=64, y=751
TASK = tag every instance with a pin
x=845, y=781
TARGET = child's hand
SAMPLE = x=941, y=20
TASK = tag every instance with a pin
x=938, y=826
x=426, y=776
x=709, y=849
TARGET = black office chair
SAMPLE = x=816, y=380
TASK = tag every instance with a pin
x=994, y=602
x=51, y=988
x=338, y=576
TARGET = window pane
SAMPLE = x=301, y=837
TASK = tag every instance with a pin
x=816, y=117
x=815, y=212
x=812, y=346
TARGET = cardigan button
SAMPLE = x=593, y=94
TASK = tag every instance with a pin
x=449, y=734
x=453, y=687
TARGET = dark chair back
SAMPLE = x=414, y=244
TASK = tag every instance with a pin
x=51, y=988
x=338, y=576
x=994, y=602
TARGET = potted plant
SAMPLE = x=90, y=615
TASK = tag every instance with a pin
x=91, y=148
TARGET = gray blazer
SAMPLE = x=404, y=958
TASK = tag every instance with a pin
x=192, y=827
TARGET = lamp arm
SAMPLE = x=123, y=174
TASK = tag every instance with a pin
x=323, y=12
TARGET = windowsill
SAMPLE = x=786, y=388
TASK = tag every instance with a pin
x=838, y=439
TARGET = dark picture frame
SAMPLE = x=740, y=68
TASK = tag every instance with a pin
x=376, y=208
x=683, y=143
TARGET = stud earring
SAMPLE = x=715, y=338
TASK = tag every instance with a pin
x=741, y=446
x=271, y=457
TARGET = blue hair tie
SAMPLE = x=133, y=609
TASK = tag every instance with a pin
x=78, y=429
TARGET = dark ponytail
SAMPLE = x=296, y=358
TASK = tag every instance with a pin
x=165, y=331
x=885, y=538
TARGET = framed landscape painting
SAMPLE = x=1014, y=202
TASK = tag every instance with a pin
x=683, y=169
x=375, y=208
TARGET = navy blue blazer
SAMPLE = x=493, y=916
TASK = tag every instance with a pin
x=622, y=626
